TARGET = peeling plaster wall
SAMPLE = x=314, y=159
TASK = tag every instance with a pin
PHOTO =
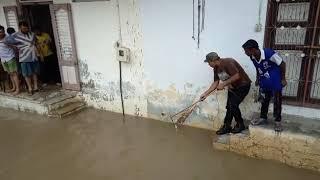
x=96, y=36
x=175, y=72
x=174, y=68
x=166, y=72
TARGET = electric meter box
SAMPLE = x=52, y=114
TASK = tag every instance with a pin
x=123, y=54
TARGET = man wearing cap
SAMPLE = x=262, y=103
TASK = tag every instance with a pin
x=229, y=73
x=271, y=70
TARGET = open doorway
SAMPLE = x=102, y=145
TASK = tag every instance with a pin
x=39, y=18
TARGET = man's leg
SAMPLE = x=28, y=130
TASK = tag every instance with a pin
x=29, y=84
x=265, y=97
x=35, y=82
x=239, y=94
x=14, y=76
x=27, y=74
x=277, y=110
x=226, y=128
x=35, y=66
x=7, y=68
x=16, y=83
x=13, y=89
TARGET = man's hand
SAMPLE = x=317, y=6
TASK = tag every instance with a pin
x=257, y=82
x=221, y=86
x=284, y=82
x=203, y=97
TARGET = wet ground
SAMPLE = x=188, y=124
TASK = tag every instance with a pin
x=94, y=145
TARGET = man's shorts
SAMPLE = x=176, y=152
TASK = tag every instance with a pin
x=10, y=66
x=30, y=68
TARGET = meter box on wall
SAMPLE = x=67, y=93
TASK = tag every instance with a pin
x=123, y=54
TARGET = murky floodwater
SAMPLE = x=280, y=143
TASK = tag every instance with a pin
x=96, y=145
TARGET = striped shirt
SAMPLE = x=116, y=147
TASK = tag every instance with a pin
x=26, y=45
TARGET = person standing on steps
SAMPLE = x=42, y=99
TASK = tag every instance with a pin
x=9, y=62
x=49, y=67
x=271, y=71
x=25, y=41
x=229, y=73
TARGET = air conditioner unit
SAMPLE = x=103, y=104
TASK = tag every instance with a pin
x=123, y=54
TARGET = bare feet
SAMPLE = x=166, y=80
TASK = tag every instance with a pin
x=12, y=90
x=30, y=92
x=16, y=92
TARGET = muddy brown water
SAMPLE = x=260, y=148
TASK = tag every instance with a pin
x=94, y=145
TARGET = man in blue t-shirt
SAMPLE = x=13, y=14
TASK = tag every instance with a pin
x=271, y=70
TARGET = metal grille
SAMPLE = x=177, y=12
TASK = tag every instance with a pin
x=315, y=88
x=11, y=16
x=293, y=12
x=293, y=60
x=290, y=36
x=292, y=29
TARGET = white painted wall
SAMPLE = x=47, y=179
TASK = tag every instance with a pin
x=96, y=36
x=174, y=66
x=167, y=28
x=166, y=72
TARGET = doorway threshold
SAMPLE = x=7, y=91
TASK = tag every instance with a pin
x=52, y=101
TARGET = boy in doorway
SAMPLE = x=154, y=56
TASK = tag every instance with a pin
x=25, y=42
x=48, y=61
x=271, y=71
x=8, y=60
x=10, y=31
x=229, y=73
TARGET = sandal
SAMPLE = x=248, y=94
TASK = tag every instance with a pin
x=259, y=121
x=37, y=90
x=278, y=127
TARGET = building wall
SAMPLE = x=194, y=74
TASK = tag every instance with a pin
x=166, y=72
x=175, y=72
x=96, y=37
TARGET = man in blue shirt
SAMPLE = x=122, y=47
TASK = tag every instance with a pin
x=271, y=70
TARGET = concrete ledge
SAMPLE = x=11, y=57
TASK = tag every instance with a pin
x=24, y=105
x=293, y=147
x=43, y=103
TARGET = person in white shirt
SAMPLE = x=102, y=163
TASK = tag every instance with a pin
x=8, y=61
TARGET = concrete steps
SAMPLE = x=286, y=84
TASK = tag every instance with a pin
x=66, y=108
x=298, y=145
x=54, y=103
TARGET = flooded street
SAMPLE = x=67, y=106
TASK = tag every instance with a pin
x=94, y=145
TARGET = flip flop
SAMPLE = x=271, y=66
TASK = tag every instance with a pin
x=278, y=127
x=259, y=121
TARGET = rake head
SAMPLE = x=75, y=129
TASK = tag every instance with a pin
x=183, y=115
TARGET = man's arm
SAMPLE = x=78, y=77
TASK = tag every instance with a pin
x=257, y=78
x=231, y=80
x=213, y=86
x=283, y=73
x=278, y=60
x=233, y=71
x=11, y=41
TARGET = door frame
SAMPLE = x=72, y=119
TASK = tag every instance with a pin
x=61, y=62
